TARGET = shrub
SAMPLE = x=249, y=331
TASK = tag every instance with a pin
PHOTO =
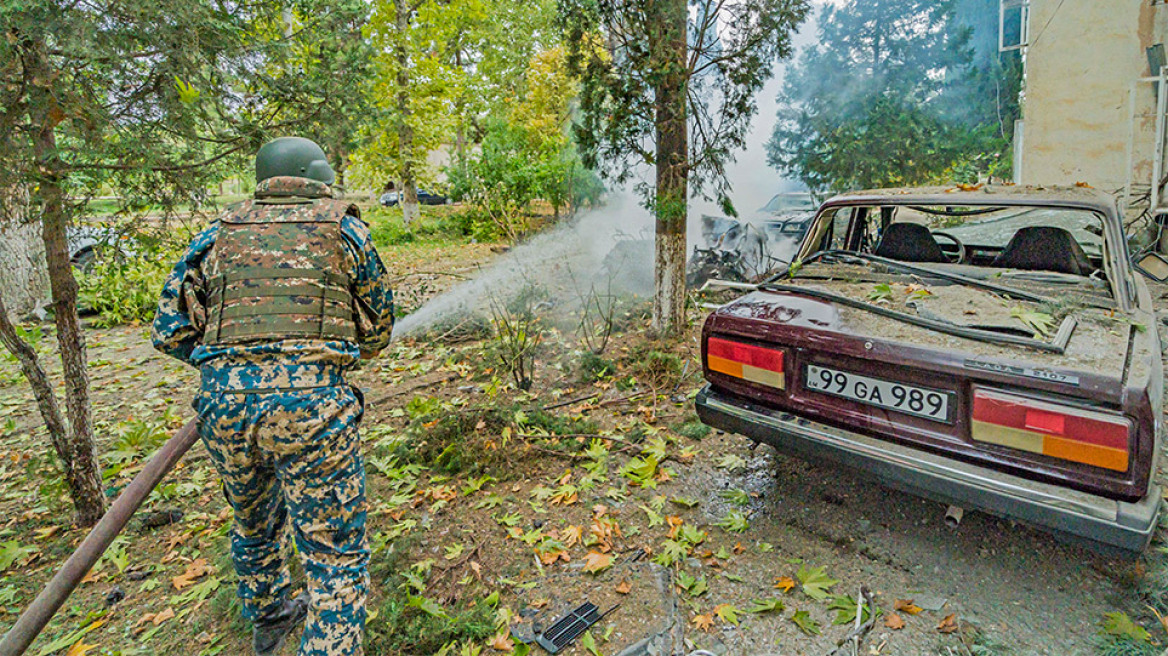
x=124, y=289
x=594, y=367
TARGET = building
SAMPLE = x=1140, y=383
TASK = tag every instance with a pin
x=1090, y=99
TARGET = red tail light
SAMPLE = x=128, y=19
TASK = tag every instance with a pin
x=1064, y=432
x=753, y=363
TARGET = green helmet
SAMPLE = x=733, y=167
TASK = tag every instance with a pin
x=295, y=156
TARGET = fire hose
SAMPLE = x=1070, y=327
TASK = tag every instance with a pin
x=33, y=620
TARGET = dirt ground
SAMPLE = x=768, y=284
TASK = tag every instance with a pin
x=759, y=526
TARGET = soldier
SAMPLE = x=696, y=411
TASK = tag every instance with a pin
x=273, y=303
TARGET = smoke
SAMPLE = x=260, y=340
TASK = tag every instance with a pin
x=613, y=244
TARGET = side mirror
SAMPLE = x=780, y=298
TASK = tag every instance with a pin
x=1152, y=265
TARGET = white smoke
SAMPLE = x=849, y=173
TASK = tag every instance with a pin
x=614, y=242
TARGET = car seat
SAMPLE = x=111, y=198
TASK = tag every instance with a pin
x=1044, y=248
x=909, y=242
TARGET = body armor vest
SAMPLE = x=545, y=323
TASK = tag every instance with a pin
x=280, y=271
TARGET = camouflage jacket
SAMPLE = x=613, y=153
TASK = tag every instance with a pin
x=282, y=364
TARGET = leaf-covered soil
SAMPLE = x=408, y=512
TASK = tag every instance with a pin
x=489, y=504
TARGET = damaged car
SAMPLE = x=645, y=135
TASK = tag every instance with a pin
x=987, y=348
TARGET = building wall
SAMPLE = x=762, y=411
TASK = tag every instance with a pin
x=1080, y=67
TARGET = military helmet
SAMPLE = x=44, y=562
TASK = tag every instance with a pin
x=295, y=156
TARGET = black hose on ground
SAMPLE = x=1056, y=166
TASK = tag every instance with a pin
x=33, y=620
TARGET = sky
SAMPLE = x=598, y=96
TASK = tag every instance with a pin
x=755, y=181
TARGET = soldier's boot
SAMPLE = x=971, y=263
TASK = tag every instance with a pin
x=272, y=628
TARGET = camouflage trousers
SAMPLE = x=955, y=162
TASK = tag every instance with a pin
x=291, y=463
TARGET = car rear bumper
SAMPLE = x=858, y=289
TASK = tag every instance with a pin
x=1104, y=524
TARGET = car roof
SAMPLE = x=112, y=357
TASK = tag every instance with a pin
x=1026, y=195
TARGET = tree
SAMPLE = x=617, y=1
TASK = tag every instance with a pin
x=675, y=91
x=112, y=94
x=885, y=98
x=445, y=68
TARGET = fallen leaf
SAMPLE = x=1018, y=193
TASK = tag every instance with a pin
x=894, y=622
x=785, y=583
x=728, y=613
x=571, y=535
x=624, y=587
x=949, y=624
x=675, y=523
x=158, y=618
x=79, y=648
x=477, y=569
x=597, y=562
x=502, y=642
x=738, y=548
x=907, y=606
x=194, y=571
x=702, y=622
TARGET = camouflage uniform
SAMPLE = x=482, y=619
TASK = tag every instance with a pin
x=279, y=420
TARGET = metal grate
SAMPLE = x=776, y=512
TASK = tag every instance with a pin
x=569, y=627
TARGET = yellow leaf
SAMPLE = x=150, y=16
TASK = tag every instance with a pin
x=907, y=606
x=597, y=562
x=79, y=648
x=785, y=583
x=571, y=535
x=675, y=523
x=894, y=622
x=702, y=622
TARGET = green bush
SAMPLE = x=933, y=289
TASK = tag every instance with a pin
x=124, y=289
x=594, y=367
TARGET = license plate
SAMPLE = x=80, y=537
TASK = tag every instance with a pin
x=909, y=399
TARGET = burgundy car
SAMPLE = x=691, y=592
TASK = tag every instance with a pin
x=989, y=348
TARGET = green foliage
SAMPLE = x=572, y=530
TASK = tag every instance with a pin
x=730, y=55
x=408, y=621
x=815, y=581
x=694, y=430
x=875, y=103
x=595, y=367
x=518, y=333
x=734, y=522
x=124, y=288
x=1119, y=625
x=659, y=369
x=806, y=624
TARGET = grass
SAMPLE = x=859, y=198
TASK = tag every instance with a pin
x=471, y=440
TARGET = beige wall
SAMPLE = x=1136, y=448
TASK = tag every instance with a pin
x=1080, y=68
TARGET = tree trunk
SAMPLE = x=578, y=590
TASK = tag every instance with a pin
x=669, y=50
x=408, y=196
x=77, y=450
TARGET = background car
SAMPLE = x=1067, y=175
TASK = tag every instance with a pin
x=988, y=349
x=392, y=198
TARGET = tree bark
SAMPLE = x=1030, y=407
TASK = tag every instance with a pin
x=408, y=196
x=667, y=39
x=77, y=450
x=23, y=274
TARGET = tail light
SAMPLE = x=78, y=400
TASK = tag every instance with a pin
x=1064, y=432
x=753, y=363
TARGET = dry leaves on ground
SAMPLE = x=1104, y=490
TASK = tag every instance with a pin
x=785, y=583
x=894, y=622
x=194, y=571
x=907, y=606
x=949, y=624
x=597, y=562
